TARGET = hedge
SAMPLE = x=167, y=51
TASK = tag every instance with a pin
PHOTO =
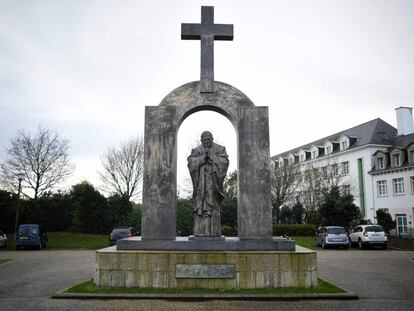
x=294, y=230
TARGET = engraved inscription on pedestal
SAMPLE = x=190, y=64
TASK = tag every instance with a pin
x=204, y=271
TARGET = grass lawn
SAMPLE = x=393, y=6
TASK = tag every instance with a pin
x=69, y=240
x=89, y=287
x=63, y=240
x=305, y=241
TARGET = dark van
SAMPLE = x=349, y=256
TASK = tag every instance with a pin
x=31, y=235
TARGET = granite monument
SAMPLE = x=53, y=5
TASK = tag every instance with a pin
x=159, y=258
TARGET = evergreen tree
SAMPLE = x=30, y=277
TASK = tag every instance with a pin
x=338, y=209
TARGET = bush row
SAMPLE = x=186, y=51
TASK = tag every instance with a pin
x=294, y=230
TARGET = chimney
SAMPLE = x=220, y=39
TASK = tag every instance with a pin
x=405, y=123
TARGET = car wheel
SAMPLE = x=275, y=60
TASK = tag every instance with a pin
x=360, y=244
x=384, y=246
x=346, y=246
x=324, y=246
x=17, y=247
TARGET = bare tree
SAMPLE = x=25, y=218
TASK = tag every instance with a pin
x=123, y=168
x=284, y=183
x=42, y=158
x=315, y=183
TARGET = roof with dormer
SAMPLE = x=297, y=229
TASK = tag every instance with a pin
x=374, y=132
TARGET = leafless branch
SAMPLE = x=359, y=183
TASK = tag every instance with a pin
x=42, y=158
x=122, y=169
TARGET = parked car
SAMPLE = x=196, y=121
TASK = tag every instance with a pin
x=368, y=235
x=3, y=239
x=31, y=235
x=332, y=236
x=119, y=233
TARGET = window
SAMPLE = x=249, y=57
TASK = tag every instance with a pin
x=381, y=187
x=335, y=170
x=412, y=156
x=380, y=163
x=396, y=159
x=346, y=189
x=291, y=160
x=344, y=145
x=398, y=184
x=412, y=184
x=328, y=149
x=401, y=220
x=345, y=168
x=302, y=158
x=314, y=154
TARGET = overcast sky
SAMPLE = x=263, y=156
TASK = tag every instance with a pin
x=87, y=68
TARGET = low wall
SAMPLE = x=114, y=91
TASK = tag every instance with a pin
x=252, y=269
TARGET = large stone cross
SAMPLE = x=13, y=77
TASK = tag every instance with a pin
x=207, y=32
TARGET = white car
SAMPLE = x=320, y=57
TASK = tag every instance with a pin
x=3, y=239
x=368, y=235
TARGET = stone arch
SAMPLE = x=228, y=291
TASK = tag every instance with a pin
x=160, y=159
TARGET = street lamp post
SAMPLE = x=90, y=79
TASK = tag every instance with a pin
x=20, y=177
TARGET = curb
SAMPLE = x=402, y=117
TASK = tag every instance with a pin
x=347, y=295
x=320, y=296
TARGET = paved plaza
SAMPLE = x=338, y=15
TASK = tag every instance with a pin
x=382, y=279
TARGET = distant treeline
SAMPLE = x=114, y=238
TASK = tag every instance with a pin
x=82, y=209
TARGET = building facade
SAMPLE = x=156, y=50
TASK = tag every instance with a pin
x=373, y=160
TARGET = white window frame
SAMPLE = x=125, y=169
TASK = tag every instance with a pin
x=398, y=186
x=328, y=149
x=382, y=188
x=314, y=154
x=412, y=184
x=346, y=189
x=381, y=163
x=401, y=224
x=344, y=144
x=345, y=168
x=302, y=157
x=396, y=158
x=335, y=169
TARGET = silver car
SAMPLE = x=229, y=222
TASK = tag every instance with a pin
x=332, y=236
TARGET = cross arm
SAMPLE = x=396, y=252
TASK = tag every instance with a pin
x=190, y=31
x=223, y=32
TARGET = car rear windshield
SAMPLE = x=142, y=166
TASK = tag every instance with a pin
x=336, y=230
x=28, y=230
x=374, y=229
x=121, y=232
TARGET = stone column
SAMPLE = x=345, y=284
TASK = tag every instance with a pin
x=254, y=201
x=160, y=173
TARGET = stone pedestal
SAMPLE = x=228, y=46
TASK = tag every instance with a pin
x=206, y=269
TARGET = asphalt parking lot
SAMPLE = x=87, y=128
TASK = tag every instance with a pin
x=384, y=280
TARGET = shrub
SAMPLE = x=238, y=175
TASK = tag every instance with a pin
x=228, y=230
x=294, y=230
x=185, y=217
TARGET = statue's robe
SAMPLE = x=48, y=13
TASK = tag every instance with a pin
x=207, y=175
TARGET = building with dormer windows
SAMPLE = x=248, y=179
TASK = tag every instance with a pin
x=376, y=161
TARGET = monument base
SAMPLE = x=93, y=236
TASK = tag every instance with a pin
x=193, y=243
x=205, y=269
